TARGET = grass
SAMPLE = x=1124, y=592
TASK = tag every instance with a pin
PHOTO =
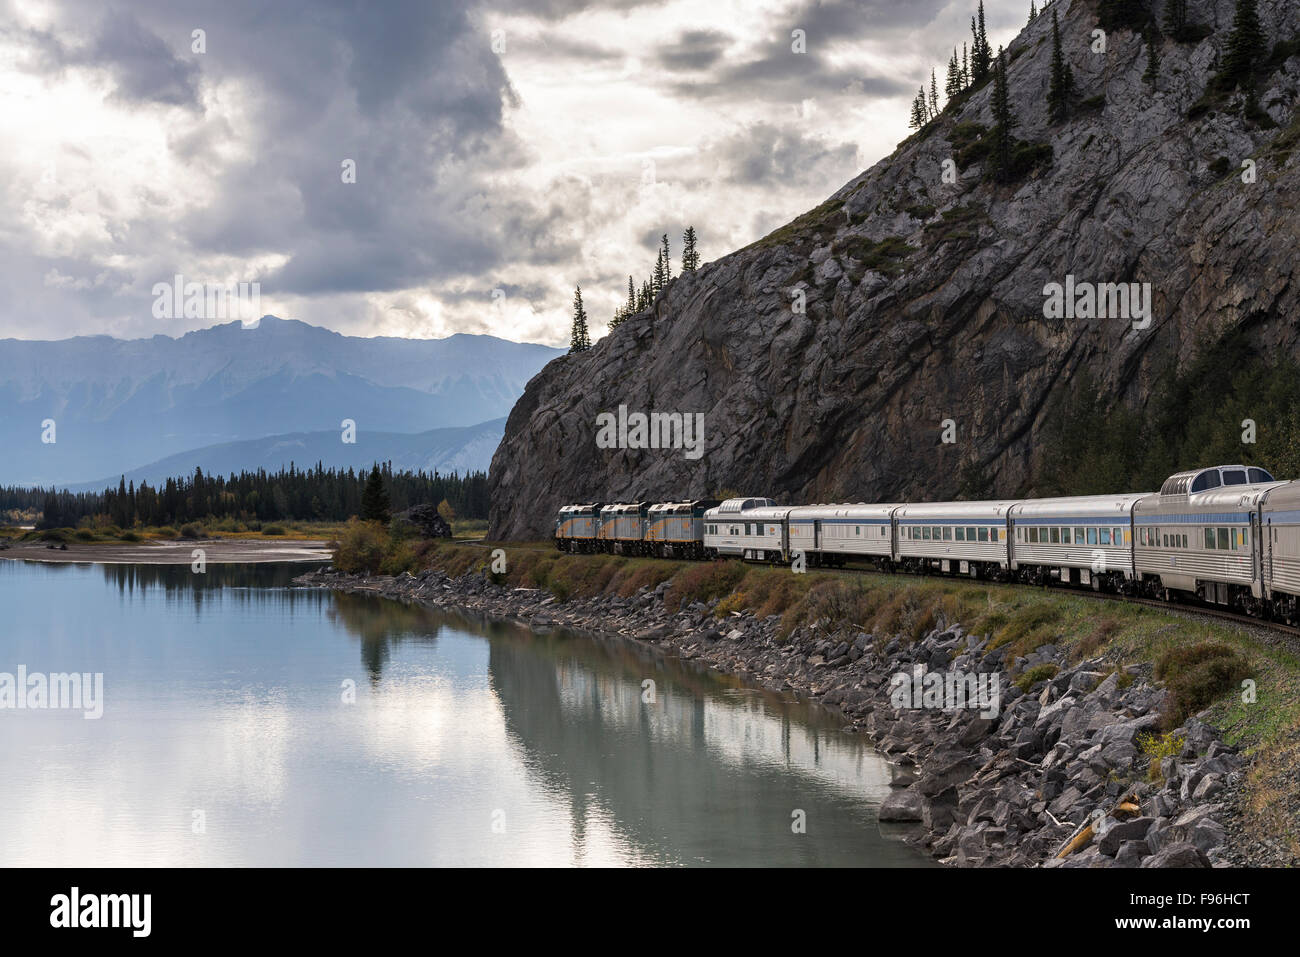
x=827, y=216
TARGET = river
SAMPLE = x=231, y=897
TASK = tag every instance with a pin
x=246, y=723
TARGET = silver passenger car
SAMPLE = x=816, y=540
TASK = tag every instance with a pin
x=964, y=538
x=1080, y=540
x=830, y=534
x=1280, y=548
x=752, y=528
x=1200, y=533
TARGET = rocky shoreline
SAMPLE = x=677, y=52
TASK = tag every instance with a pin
x=1008, y=785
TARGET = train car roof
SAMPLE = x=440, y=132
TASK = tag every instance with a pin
x=1221, y=499
x=1283, y=495
x=761, y=513
x=860, y=510
x=733, y=506
x=1078, y=506
x=921, y=510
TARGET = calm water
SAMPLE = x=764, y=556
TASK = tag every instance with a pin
x=226, y=740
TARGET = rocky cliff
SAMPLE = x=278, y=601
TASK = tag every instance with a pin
x=924, y=299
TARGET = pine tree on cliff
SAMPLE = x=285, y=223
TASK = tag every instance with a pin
x=579, y=339
x=1033, y=11
x=657, y=277
x=981, y=52
x=1003, y=121
x=631, y=307
x=934, y=94
x=374, y=499
x=919, y=118
x=952, y=85
x=965, y=67
x=1061, y=84
x=668, y=260
x=1152, y=73
x=690, y=255
x=1246, y=43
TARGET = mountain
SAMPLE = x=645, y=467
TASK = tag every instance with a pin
x=464, y=449
x=925, y=299
x=118, y=404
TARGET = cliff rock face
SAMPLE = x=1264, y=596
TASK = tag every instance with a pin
x=847, y=400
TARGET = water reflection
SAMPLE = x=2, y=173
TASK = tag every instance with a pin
x=223, y=695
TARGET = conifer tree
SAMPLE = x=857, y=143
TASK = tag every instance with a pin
x=1061, y=84
x=952, y=85
x=374, y=500
x=981, y=52
x=690, y=255
x=919, y=118
x=934, y=95
x=630, y=308
x=1033, y=11
x=1246, y=42
x=1004, y=121
x=965, y=67
x=668, y=260
x=579, y=339
x=657, y=277
x=647, y=295
x=1153, y=56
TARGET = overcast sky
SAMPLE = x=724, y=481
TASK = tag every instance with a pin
x=513, y=145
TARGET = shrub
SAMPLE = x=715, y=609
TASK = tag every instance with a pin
x=1037, y=673
x=272, y=529
x=400, y=558
x=1197, y=675
x=362, y=548
x=130, y=536
x=191, y=530
x=1157, y=747
x=85, y=535
x=704, y=582
x=167, y=532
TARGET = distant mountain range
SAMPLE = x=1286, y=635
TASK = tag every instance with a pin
x=462, y=449
x=248, y=397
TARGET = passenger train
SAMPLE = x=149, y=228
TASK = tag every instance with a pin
x=1227, y=535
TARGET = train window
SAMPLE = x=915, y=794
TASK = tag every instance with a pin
x=1209, y=538
x=1053, y=535
x=1142, y=536
x=947, y=534
x=1235, y=477
x=1033, y=536
x=1223, y=537
x=1259, y=475
x=1092, y=536
x=961, y=534
x=970, y=533
x=1245, y=538
x=1206, y=481
x=1078, y=536
x=1184, y=541
x=1105, y=536
x=925, y=533
x=983, y=534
